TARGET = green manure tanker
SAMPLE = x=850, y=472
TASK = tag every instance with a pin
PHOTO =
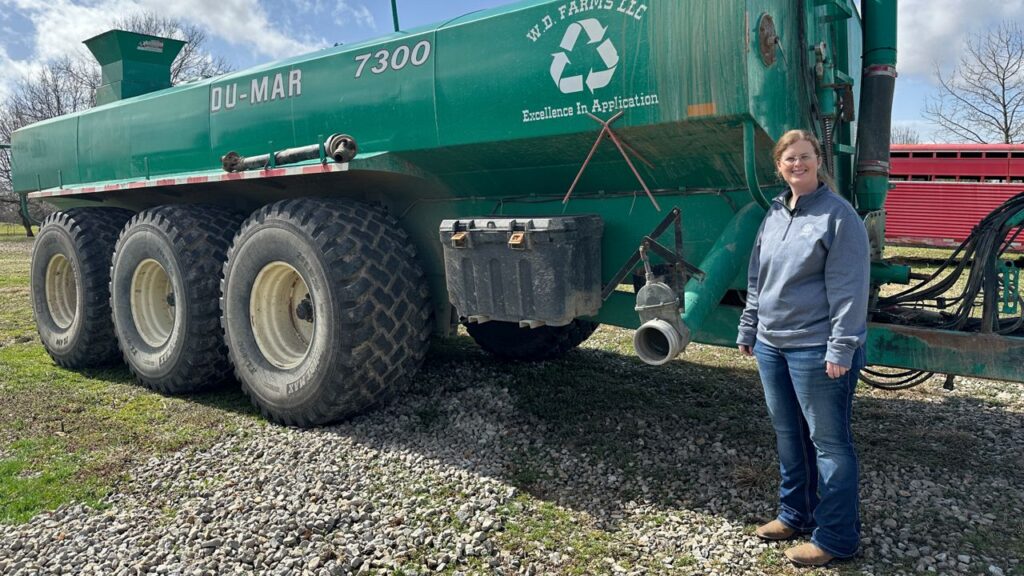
x=530, y=171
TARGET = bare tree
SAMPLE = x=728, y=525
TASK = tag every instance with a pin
x=60, y=87
x=982, y=99
x=904, y=135
x=69, y=84
x=9, y=202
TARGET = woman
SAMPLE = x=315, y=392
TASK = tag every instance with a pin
x=806, y=322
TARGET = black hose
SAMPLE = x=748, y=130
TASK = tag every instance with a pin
x=894, y=381
x=985, y=246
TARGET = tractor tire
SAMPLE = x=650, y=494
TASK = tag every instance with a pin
x=509, y=341
x=325, y=309
x=165, y=292
x=69, y=278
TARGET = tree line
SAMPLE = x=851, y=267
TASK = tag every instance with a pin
x=69, y=84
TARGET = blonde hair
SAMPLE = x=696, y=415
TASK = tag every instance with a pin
x=794, y=136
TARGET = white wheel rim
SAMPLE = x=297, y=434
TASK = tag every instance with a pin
x=61, y=291
x=280, y=310
x=151, y=303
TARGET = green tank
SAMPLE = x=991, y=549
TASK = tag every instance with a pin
x=506, y=90
x=307, y=224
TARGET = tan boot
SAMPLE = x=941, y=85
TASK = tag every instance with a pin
x=775, y=530
x=808, y=554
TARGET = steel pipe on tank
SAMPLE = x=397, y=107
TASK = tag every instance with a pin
x=662, y=336
x=750, y=165
x=727, y=259
x=656, y=342
x=878, y=82
x=339, y=147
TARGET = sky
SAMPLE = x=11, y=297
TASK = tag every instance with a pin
x=249, y=32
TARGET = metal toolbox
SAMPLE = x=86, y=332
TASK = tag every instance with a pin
x=534, y=271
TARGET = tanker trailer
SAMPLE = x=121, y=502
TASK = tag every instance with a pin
x=529, y=171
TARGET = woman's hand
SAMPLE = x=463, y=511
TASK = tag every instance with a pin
x=746, y=350
x=835, y=370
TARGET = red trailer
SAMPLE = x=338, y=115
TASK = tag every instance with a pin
x=939, y=191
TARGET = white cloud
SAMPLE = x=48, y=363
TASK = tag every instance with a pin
x=346, y=12
x=14, y=69
x=239, y=22
x=934, y=31
x=5, y=64
x=309, y=6
x=59, y=27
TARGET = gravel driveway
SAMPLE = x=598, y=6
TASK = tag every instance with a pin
x=591, y=465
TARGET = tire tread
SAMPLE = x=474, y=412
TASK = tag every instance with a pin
x=200, y=236
x=383, y=298
x=93, y=232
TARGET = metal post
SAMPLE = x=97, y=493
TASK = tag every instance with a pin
x=394, y=13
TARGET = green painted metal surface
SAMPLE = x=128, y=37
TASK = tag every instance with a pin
x=879, y=41
x=490, y=103
x=945, y=352
x=889, y=273
x=1009, y=278
x=489, y=114
x=132, y=64
x=726, y=261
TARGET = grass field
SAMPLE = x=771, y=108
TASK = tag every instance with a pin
x=69, y=436
x=10, y=230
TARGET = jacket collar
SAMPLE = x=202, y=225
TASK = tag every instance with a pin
x=804, y=201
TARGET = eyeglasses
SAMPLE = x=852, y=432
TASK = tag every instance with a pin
x=803, y=158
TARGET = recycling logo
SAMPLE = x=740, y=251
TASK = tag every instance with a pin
x=595, y=79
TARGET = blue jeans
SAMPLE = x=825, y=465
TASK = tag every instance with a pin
x=811, y=416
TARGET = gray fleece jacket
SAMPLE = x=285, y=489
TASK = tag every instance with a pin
x=807, y=284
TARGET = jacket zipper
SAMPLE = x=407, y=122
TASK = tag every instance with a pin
x=789, y=223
